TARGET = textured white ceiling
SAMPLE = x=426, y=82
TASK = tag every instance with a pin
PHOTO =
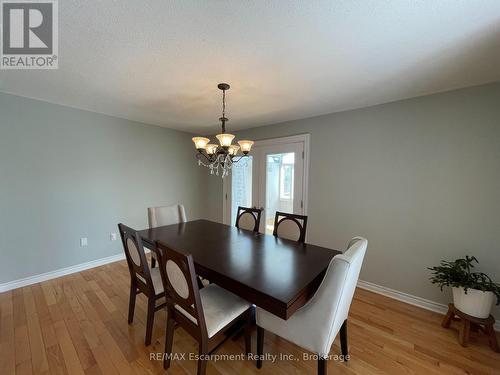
x=159, y=61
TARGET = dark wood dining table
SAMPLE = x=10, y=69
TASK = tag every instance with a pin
x=275, y=274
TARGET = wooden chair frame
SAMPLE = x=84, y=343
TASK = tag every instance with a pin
x=255, y=212
x=138, y=285
x=192, y=305
x=291, y=217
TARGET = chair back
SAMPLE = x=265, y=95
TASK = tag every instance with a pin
x=180, y=283
x=166, y=215
x=354, y=256
x=136, y=258
x=290, y=226
x=330, y=305
x=248, y=218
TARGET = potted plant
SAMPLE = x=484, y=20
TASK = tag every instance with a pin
x=473, y=292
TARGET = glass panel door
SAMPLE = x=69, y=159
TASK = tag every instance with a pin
x=280, y=170
x=272, y=178
x=241, y=186
x=280, y=181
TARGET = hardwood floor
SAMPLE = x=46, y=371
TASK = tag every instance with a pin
x=77, y=324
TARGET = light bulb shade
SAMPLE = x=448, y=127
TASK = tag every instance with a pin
x=225, y=139
x=200, y=142
x=246, y=146
x=233, y=150
x=211, y=148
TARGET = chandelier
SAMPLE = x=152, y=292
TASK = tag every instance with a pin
x=220, y=158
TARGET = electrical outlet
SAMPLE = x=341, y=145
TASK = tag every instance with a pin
x=112, y=237
x=84, y=241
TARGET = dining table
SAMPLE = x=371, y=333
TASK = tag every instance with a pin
x=276, y=274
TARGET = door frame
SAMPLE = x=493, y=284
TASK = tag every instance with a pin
x=299, y=138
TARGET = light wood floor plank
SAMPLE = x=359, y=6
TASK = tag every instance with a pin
x=38, y=356
x=24, y=368
x=7, y=338
x=22, y=344
x=56, y=360
x=68, y=350
x=77, y=324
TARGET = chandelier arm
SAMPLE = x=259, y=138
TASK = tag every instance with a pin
x=200, y=154
x=202, y=163
x=239, y=158
x=209, y=159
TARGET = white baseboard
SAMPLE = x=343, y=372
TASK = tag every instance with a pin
x=404, y=297
x=60, y=272
x=410, y=299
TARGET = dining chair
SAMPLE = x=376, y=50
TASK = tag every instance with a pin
x=142, y=279
x=165, y=215
x=248, y=218
x=206, y=314
x=290, y=226
x=315, y=325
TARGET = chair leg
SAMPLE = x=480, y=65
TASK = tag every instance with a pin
x=322, y=366
x=169, y=338
x=248, y=333
x=150, y=320
x=260, y=345
x=131, y=303
x=343, y=341
x=202, y=361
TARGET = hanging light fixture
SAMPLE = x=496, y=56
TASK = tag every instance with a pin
x=221, y=157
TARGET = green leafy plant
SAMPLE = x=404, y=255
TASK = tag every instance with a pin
x=459, y=274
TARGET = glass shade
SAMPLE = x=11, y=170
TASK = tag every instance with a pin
x=225, y=139
x=211, y=148
x=200, y=142
x=233, y=150
x=246, y=146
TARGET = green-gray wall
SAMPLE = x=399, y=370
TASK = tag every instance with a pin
x=420, y=178
x=67, y=173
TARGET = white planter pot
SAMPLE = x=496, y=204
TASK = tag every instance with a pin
x=475, y=303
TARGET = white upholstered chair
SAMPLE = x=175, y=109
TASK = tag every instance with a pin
x=165, y=215
x=315, y=325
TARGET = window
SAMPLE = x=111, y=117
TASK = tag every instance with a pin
x=241, y=186
x=286, y=181
x=286, y=176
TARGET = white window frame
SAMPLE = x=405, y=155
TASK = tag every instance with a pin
x=300, y=138
x=282, y=183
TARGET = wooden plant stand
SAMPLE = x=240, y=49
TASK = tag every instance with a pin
x=468, y=322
